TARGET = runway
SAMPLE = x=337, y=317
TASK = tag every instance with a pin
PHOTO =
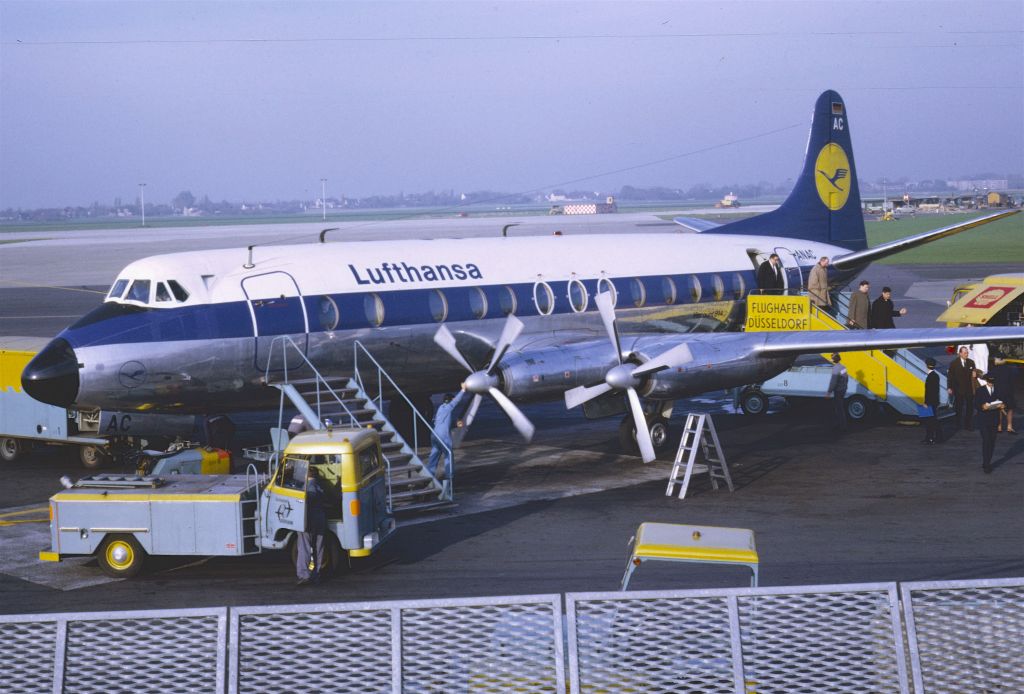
x=556, y=515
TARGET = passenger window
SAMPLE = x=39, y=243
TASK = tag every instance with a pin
x=438, y=305
x=739, y=287
x=161, y=292
x=719, y=286
x=478, y=302
x=543, y=298
x=578, y=298
x=638, y=293
x=668, y=290
x=605, y=285
x=139, y=291
x=118, y=289
x=507, y=300
x=328, y=313
x=179, y=292
x=373, y=306
x=694, y=289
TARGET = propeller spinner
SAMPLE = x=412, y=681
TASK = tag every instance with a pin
x=486, y=380
x=627, y=377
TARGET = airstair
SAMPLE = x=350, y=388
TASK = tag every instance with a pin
x=342, y=401
x=895, y=377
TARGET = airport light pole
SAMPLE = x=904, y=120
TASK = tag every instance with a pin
x=142, y=201
x=323, y=196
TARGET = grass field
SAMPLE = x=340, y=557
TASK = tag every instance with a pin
x=999, y=242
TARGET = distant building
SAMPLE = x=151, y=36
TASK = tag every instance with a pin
x=979, y=184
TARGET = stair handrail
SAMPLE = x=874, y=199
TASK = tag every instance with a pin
x=382, y=374
x=286, y=340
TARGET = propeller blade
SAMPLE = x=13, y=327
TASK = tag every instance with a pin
x=669, y=359
x=509, y=333
x=581, y=394
x=643, y=436
x=446, y=341
x=604, y=306
x=467, y=419
x=519, y=420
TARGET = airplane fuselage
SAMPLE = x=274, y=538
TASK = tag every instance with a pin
x=149, y=346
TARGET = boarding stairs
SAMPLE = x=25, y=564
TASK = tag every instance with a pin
x=699, y=436
x=341, y=401
x=895, y=377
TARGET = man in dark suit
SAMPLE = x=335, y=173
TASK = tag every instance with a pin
x=960, y=379
x=769, y=276
x=883, y=311
x=988, y=419
x=931, y=400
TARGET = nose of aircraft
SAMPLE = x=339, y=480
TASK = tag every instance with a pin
x=52, y=375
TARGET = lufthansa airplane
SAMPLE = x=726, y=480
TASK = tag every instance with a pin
x=608, y=321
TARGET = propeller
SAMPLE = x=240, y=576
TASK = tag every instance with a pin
x=486, y=380
x=627, y=377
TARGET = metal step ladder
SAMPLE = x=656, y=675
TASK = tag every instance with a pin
x=699, y=435
x=341, y=401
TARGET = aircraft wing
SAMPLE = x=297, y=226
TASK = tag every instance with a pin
x=870, y=255
x=820, y=341
x=696, y=224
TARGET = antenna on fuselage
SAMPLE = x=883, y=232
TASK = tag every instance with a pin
x=504, y=229
x=324, y=233
x=249, y=265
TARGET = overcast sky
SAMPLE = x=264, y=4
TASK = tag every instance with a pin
x=259, y=101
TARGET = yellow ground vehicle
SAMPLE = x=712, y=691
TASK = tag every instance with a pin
x=996, y=300
x=122, y=519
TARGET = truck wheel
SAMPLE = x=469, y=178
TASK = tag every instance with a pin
x=10, y=449
x=93, y=457
x=753, y=402
x=857, y=407
x=121, y=556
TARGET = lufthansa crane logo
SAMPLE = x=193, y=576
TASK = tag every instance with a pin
x=832, y=176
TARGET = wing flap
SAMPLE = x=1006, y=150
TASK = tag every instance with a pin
x=696, y=224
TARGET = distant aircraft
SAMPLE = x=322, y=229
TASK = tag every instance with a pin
x=608, y=321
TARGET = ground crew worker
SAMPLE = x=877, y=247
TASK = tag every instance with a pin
x=931, y=401
x=837, y=391
x=310, y=557
x=442, y=436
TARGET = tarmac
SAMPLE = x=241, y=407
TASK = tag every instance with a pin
x=556, y=516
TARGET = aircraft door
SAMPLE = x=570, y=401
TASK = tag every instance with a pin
x=276, y=305
x=791, y=273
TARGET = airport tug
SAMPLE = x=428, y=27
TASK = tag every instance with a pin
x=122, y=519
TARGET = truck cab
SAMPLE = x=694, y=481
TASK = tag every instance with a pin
x=352, y=472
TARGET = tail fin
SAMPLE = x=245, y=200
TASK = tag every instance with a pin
x=825, y=203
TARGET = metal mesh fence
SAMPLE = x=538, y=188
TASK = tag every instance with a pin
x=966, y=636
x=511, y=644
x=817, y=639
x=159, y=651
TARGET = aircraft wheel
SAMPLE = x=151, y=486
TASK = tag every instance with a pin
x=657, y=426
x=10, y=449
x=857, y=407
x=121, y=556
x=93, y=457
x=753, y=402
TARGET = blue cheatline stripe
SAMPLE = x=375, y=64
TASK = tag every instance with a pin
x=401, y=308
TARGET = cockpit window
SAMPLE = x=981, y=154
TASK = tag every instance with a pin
x=139, y=291
x=118, y=289
x=161, y=292
x=179, y=292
